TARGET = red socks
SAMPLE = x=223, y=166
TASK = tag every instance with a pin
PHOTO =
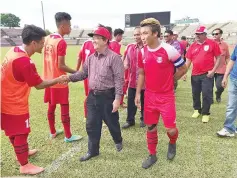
x=51, y=118
x=152, y=141
x=173, y=138
x=66, y=120
x=21, y=148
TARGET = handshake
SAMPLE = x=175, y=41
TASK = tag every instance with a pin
x=63, y=79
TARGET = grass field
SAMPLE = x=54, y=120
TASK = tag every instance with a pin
x=200, y=153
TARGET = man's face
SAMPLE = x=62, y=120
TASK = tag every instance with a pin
x=66, y=27
x=147, y=36
x=168, y=37
x=216, y=35
x=119, y=37
x=161, y=36
x=98, y=42
x=38, y=45
x=200, y=37
x=137, y=35
x=175, y=37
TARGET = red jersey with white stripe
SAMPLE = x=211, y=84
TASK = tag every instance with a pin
x=159, y=65
x=115, y=46
x=86, y=50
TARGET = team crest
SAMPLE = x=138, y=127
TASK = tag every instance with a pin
x=159, y=60
x=206, y=47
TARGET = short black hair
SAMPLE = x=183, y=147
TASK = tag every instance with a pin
x=32, y=33
x=183, y=38
x=170, y=32
x=118, y=31
x=61, y=16
x=221, y=31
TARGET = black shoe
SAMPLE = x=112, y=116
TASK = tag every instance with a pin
x=218, y=100
x=142, y=124
x=119, y=146
x=127, y=125
x=171, y=151
x=87, y=156
x=148, y=162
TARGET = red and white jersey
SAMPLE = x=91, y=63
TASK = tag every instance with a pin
x=86, y=50
x=159, y=66
x=115, y=46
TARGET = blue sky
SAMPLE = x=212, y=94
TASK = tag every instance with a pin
x=88, y=13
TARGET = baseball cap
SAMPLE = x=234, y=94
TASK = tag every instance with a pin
x=101, y=31
x=201, y=29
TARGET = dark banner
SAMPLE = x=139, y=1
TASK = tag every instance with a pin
x=133, y=20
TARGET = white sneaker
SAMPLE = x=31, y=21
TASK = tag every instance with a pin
x=224, y=133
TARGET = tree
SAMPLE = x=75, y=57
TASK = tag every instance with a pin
x=10, y=20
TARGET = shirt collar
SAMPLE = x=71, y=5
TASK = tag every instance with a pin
x=137, y=46
x=104, y=53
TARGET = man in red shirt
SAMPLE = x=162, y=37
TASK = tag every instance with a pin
x=202, y=54
x=18, y=75
x=115, y=43
x=54, y=66
x=225, y=57
x=131, y=63
x=184, y=43
x=156, y=63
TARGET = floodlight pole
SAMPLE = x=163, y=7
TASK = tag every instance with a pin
x=42, y=7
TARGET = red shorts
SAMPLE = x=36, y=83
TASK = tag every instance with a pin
x=56, y=95
x=15, y=124
x=159, y=104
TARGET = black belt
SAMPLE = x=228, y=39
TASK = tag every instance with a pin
x=103, y=92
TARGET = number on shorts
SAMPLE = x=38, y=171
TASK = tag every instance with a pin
x=27, y=123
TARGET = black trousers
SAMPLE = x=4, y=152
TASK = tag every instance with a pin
x=219, y=88
x=99, y=107
x=132, y=109
x=202, y=84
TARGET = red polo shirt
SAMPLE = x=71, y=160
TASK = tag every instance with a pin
x=202, y=55
x=115, y=46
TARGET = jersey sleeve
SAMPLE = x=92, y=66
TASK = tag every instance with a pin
x=62, y=47
x=140, y=59
x=234, y=54
x=27, y=71
x=175, y=57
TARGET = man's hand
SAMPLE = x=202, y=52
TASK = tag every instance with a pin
x=210, y=74
x=138, y=101
x=224, y=82
x=116, y=105
x=184, y=78
x=63, y=79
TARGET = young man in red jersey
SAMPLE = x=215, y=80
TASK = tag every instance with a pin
x=54, y=66
x=157, y=61
x=18, y=75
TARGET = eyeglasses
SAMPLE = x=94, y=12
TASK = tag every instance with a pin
x=215, y=34
x=199, y=34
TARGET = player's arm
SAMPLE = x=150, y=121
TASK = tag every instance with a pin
x=63, y=67
x=140, y=81
x=32, y=78
x=179, y=63
x=229, y=67
x=62, y=47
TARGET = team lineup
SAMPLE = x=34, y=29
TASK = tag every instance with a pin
x=148, y=72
